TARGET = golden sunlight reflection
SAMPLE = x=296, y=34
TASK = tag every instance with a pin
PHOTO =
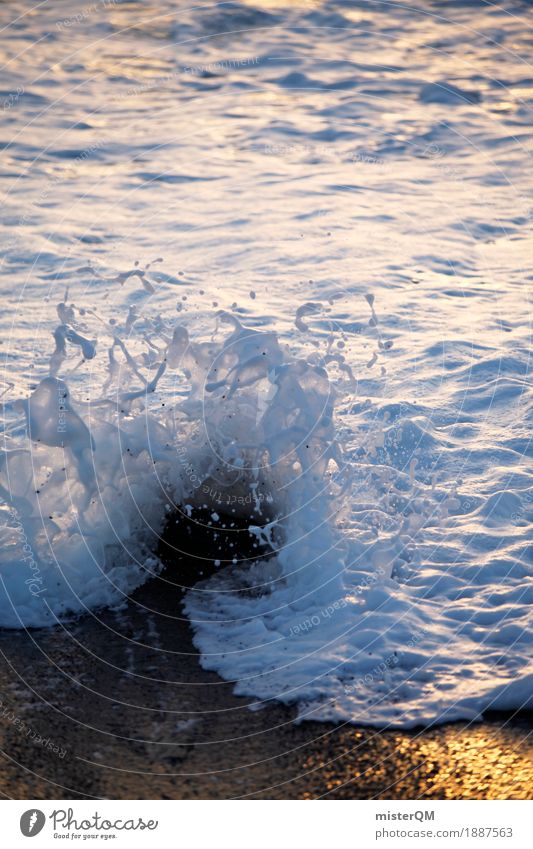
x=454, y=762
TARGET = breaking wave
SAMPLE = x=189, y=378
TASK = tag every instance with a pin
x=342, y=616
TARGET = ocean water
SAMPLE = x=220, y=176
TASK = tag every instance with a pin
x=273, y=260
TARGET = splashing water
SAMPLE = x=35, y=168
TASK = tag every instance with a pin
x=341, y=618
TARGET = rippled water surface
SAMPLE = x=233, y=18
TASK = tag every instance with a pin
x=370, y=159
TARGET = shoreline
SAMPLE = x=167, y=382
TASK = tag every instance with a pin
x=122, y=693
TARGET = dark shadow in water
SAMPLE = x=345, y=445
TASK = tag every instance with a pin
x=194, y=547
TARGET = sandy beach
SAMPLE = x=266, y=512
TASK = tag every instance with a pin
x=138, y=723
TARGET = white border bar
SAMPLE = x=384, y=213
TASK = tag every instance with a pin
x=256, y=825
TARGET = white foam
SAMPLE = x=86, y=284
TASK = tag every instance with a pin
x=351, y=618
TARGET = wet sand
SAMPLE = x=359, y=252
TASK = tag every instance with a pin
x=133, y=721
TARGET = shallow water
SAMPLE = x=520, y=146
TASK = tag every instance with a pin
x=259, y=158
